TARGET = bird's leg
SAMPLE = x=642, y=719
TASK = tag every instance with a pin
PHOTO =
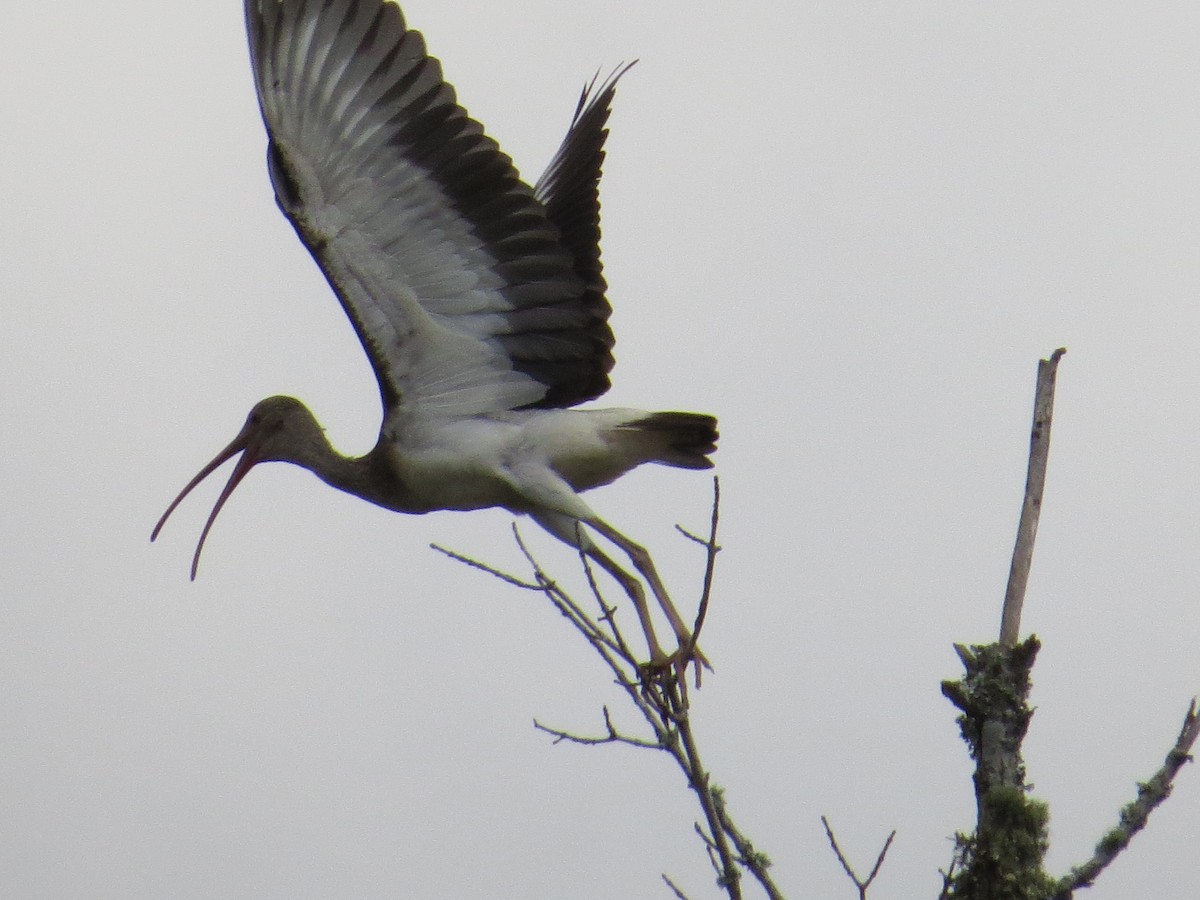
x=633, y=588
x=644, y=565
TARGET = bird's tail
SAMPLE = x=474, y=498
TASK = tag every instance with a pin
x=679, y=439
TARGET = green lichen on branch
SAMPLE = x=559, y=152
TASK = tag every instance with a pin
x=1133, y=815
x=994, y=693
x=1003, y=859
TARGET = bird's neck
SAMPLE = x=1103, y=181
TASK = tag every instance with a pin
x=368, y=477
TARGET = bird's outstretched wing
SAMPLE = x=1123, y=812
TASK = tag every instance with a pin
x=461, y=287
x=570, y=190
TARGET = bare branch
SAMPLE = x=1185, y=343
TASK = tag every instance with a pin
x=708, y=842
x=1134, y=815
x=484, y=567
x=714, y=860
x=882, y=856
x=680, y=895
x=611, y=737
x=699, y=780
x=1035, y=483
x=608, y=614
x=643, y=564
x=657, y=691
x=709, y=568
x=694, y=538
x=861, y=884
x=574, y=613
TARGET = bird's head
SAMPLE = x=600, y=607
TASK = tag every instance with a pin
x=277, y=429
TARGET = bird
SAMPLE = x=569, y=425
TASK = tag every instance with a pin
x=479, y=300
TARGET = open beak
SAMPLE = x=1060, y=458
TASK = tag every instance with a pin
x=243, y=444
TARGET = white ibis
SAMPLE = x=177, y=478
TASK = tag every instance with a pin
x=479, y=300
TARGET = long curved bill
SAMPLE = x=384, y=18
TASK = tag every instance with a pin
x=240, y=444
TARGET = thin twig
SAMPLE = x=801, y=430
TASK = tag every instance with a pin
x=710, y=563
x=680, y=895
x=567, y=606
x=484, y=567
x=612, y=737
x=694, y=538
x=615, y=652
x=608, y=614
x=948, y=873
x=1035, y=483
x=860, y=883
x=1134, y=815
x=882, y=855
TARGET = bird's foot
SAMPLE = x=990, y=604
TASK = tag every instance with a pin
x=660, y=663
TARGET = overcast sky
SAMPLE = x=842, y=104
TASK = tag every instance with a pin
x=849, y=230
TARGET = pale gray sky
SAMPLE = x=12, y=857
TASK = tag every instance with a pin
x=847, y=229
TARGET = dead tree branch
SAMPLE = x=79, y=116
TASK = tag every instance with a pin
x=1003, y=858
x=1031, y=509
